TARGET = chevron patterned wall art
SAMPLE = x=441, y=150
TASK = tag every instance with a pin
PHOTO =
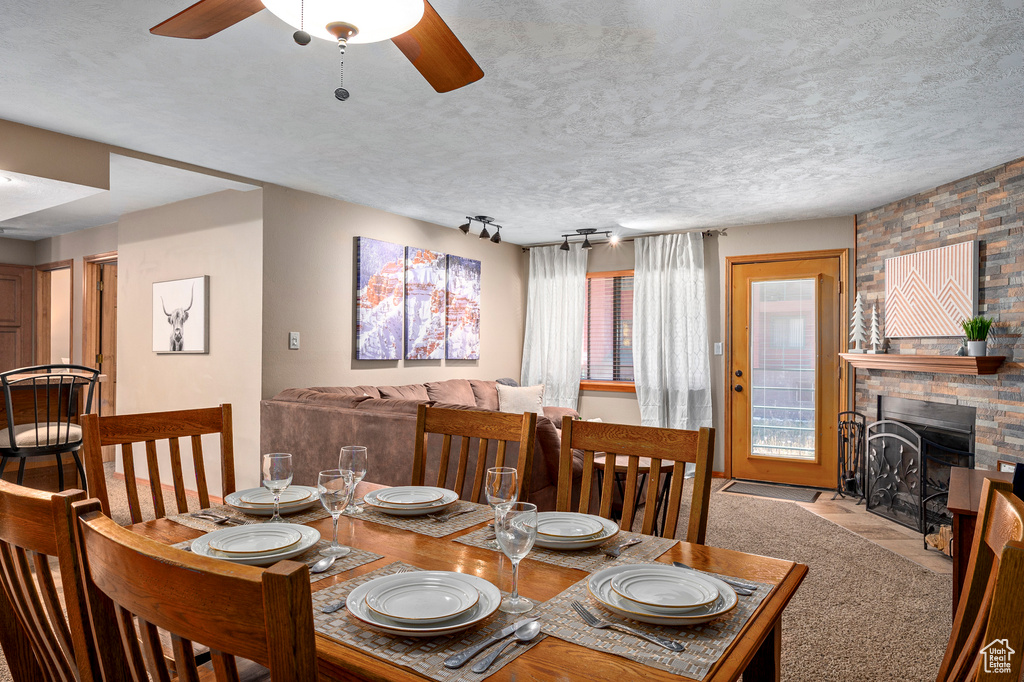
x=930, y=292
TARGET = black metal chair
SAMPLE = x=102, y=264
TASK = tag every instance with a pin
x=41, y=405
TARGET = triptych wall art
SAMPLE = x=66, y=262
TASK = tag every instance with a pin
x=415, y=303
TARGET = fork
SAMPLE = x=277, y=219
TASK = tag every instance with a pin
x=595, y=622
x=614, y=551
x=217, y=518
x=340, y=604
x=447, y=516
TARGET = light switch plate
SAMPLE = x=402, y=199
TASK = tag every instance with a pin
x=293, y=340
x=718, y=348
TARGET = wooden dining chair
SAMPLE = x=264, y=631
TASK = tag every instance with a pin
x=661, y=446
x=128, y=429
x=41, y=640
x=466, y=425
x=242, y=613
x=991, y=605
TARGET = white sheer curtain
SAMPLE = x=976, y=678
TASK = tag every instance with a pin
x=553, y=344
x=670, y=332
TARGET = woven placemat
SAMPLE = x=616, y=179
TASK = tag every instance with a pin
x=705, y=643
x=424, y=525
x=354, y=559
x=588, y=560
x=423, y=655
x=312, y=514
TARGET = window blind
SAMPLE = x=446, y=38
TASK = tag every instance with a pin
x=608, y=329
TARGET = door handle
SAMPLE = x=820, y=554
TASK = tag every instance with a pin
x=738, y=388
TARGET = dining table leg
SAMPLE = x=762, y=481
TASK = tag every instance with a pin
x=766, y=666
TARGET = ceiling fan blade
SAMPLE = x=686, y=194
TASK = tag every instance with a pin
x=437, y=54
x=206, y=18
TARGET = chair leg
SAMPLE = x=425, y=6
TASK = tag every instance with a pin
x=60, y=474
x=3, y=465
x=81, y=471
x=21, y=470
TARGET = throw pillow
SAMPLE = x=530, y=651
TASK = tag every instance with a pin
x=456, y=391
x=520, y=399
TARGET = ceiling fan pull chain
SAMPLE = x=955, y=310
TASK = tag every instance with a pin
x=341, y=93
x=300, y=36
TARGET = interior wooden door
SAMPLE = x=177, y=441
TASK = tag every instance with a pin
x=15, y=316
x=784, y=389
x=99, y=341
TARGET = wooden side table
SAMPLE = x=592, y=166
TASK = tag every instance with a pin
x=963, y=501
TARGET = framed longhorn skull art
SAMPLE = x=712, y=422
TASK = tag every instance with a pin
x=181, y=315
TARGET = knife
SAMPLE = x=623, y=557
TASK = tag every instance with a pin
x=459, y=659
x=741, y=588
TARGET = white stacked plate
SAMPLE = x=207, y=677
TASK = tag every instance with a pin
x=423, y=603
x=410, y=500
x=260, y=501
x=661, y=594
x=575, y=530
x=257, y=544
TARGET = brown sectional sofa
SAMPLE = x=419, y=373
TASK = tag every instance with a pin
x=313, y=424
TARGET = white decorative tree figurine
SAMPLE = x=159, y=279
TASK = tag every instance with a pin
x=857, y=326
x=876, y=335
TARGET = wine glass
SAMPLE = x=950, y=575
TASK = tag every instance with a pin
x=336, y=487
x=353, y=458
x=515, y=525
x=502, y=486
x=277, y=476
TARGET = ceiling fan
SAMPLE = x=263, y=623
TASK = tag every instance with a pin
x=413, y=25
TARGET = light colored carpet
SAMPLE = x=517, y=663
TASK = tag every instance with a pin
x=863, y=613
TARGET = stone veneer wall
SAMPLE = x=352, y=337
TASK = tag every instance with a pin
x=989, y=207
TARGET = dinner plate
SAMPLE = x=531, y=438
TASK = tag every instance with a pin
x=609, y=529
x=600, y=589
x=415, y=599
x=234, y=501
x=254, y=539
x=310, y=536
x=664, y=589
x=568, y=525
x=409, y=495
x=262, y=496
x=448, y=498
x=490, y=599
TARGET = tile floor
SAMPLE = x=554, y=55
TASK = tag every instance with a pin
x=907, y=543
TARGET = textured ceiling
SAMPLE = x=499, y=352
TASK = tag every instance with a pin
x=20, y=193
x=658, y=114
x=135, y=184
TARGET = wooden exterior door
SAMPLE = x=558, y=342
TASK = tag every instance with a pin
x=15, y=316
x=786, y=315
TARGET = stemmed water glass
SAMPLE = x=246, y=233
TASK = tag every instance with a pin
x=336, y=487
x=277, y=476
x=502, y=486
x=353, y=459
x=515, y=525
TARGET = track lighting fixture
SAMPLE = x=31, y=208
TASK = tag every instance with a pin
x=484, y=233
x=587, y=233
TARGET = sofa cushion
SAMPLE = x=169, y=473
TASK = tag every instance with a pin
x=454, y=391
x=407, y=392
x=555, y=414
x=394, y=405
x=517, y=400
x=485, y=393
x=370, y=391
x=315, y=397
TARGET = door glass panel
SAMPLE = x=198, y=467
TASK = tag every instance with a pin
x=783, y=344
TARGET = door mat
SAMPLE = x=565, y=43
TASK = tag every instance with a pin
x=777, y=492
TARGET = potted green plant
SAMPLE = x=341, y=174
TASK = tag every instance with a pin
x=976, y=331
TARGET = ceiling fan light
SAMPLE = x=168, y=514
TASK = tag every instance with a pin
x=376, y=19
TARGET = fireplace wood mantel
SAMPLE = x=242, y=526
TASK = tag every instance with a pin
x=938, y=364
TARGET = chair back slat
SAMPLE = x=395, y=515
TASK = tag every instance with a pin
x=152, y=428
x=224, y=667
x=992, y=598
x=262, y=615
x=44, y=637
x=624, y=444
x=466, y=425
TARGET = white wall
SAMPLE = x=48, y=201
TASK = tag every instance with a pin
x=220, y=235
x=308, y=285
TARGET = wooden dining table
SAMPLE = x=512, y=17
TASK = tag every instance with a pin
x=755, y=653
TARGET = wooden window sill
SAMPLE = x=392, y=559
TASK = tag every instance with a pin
x=612, y=386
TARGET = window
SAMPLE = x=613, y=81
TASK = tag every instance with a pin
x=608, y=331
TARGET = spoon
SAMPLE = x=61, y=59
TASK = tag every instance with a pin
x=524, y=634
x=323, y=564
